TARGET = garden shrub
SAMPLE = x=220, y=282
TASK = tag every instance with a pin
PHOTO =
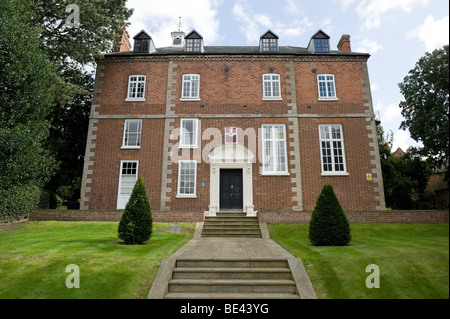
x=329, y=225
x=135, y=226
x=17, y=201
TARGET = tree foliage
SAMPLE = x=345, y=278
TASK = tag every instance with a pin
x=404, y=178
x=72, y=48
x=68, y=135
x=26, y=96
x=426, y=105
x=100, y=23
x=135, y=226
x=329, y=225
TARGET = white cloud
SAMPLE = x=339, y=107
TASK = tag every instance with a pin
x=373, y=87
x=249, y=25
x=403, y=140
x=291, y=8
x=372, y=11
x=254, y=24
x=433, y=33
x=392, y=113
x=159, y=18
x=369, y=46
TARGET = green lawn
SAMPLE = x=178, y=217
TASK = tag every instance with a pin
x=413, y=260
x=33, y=260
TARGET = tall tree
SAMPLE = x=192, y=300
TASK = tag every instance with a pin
x=426, y=105
x=402, y=176
x=69, y=42
x=26, y=97
x=74, y=34
x=68, y=135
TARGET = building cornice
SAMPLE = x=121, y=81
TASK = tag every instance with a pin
x=234, y=57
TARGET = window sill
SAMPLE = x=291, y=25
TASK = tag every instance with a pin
x=335, y=174
x=272, y=99
x=134, y=99
x=327, y=99
x=187, y=146
x=189, y=99
x=130, y=148
x=186, y=196
x=275, y=174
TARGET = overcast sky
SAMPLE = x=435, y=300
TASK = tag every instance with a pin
x=395, y=32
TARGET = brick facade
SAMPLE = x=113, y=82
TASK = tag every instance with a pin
x=231, y=95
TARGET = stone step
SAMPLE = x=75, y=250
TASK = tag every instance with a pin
x=231, y=222
x=232, y=286
x=237, y=227
x=231, y=225
x=230, y=278
x=231, y=273
x=232, y=235
x=232, y=263
x=184, y=295
x=231, y=213
x=218, y=229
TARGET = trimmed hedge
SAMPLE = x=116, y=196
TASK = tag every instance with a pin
x=135, y=226
x=329, y=225
x=17, y=201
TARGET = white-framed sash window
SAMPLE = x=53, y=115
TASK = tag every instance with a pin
x=190, y=87
x=326, y=86
x=189, y=133
x=274, y=150
x=187, y=178
x=136, y=88
x=132, y=134
x=271, y=87
x=332, y=149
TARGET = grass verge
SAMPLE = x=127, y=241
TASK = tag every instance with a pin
x=413, y=260
x=34, y=257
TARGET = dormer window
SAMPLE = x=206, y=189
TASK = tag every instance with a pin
x=269, y=45
x=193, y=45
x=193, y=42
x=320, y=43
x=143, y=43
x=268, y=42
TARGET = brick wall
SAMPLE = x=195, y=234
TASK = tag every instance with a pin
x=387, y=216
x=109, y=215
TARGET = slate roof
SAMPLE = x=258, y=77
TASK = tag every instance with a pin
x=236, y=50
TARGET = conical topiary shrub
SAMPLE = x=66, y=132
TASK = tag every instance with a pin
x=136, y=224
x=329, y=225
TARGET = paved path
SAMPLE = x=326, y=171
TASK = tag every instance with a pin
x=232, y=248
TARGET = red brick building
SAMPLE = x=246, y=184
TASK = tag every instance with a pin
x=252, y=128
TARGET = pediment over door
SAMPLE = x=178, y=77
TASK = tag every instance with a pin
x=231, y=153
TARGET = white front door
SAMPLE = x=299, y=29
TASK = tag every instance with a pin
x=234, y=157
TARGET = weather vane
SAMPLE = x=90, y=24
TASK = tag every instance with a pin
x=179, y=24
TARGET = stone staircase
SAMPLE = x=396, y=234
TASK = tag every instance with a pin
x=231, y=224
x=204, y=278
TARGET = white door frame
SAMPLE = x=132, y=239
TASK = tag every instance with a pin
x=231, y=156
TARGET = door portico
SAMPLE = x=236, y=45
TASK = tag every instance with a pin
x=234, y=157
